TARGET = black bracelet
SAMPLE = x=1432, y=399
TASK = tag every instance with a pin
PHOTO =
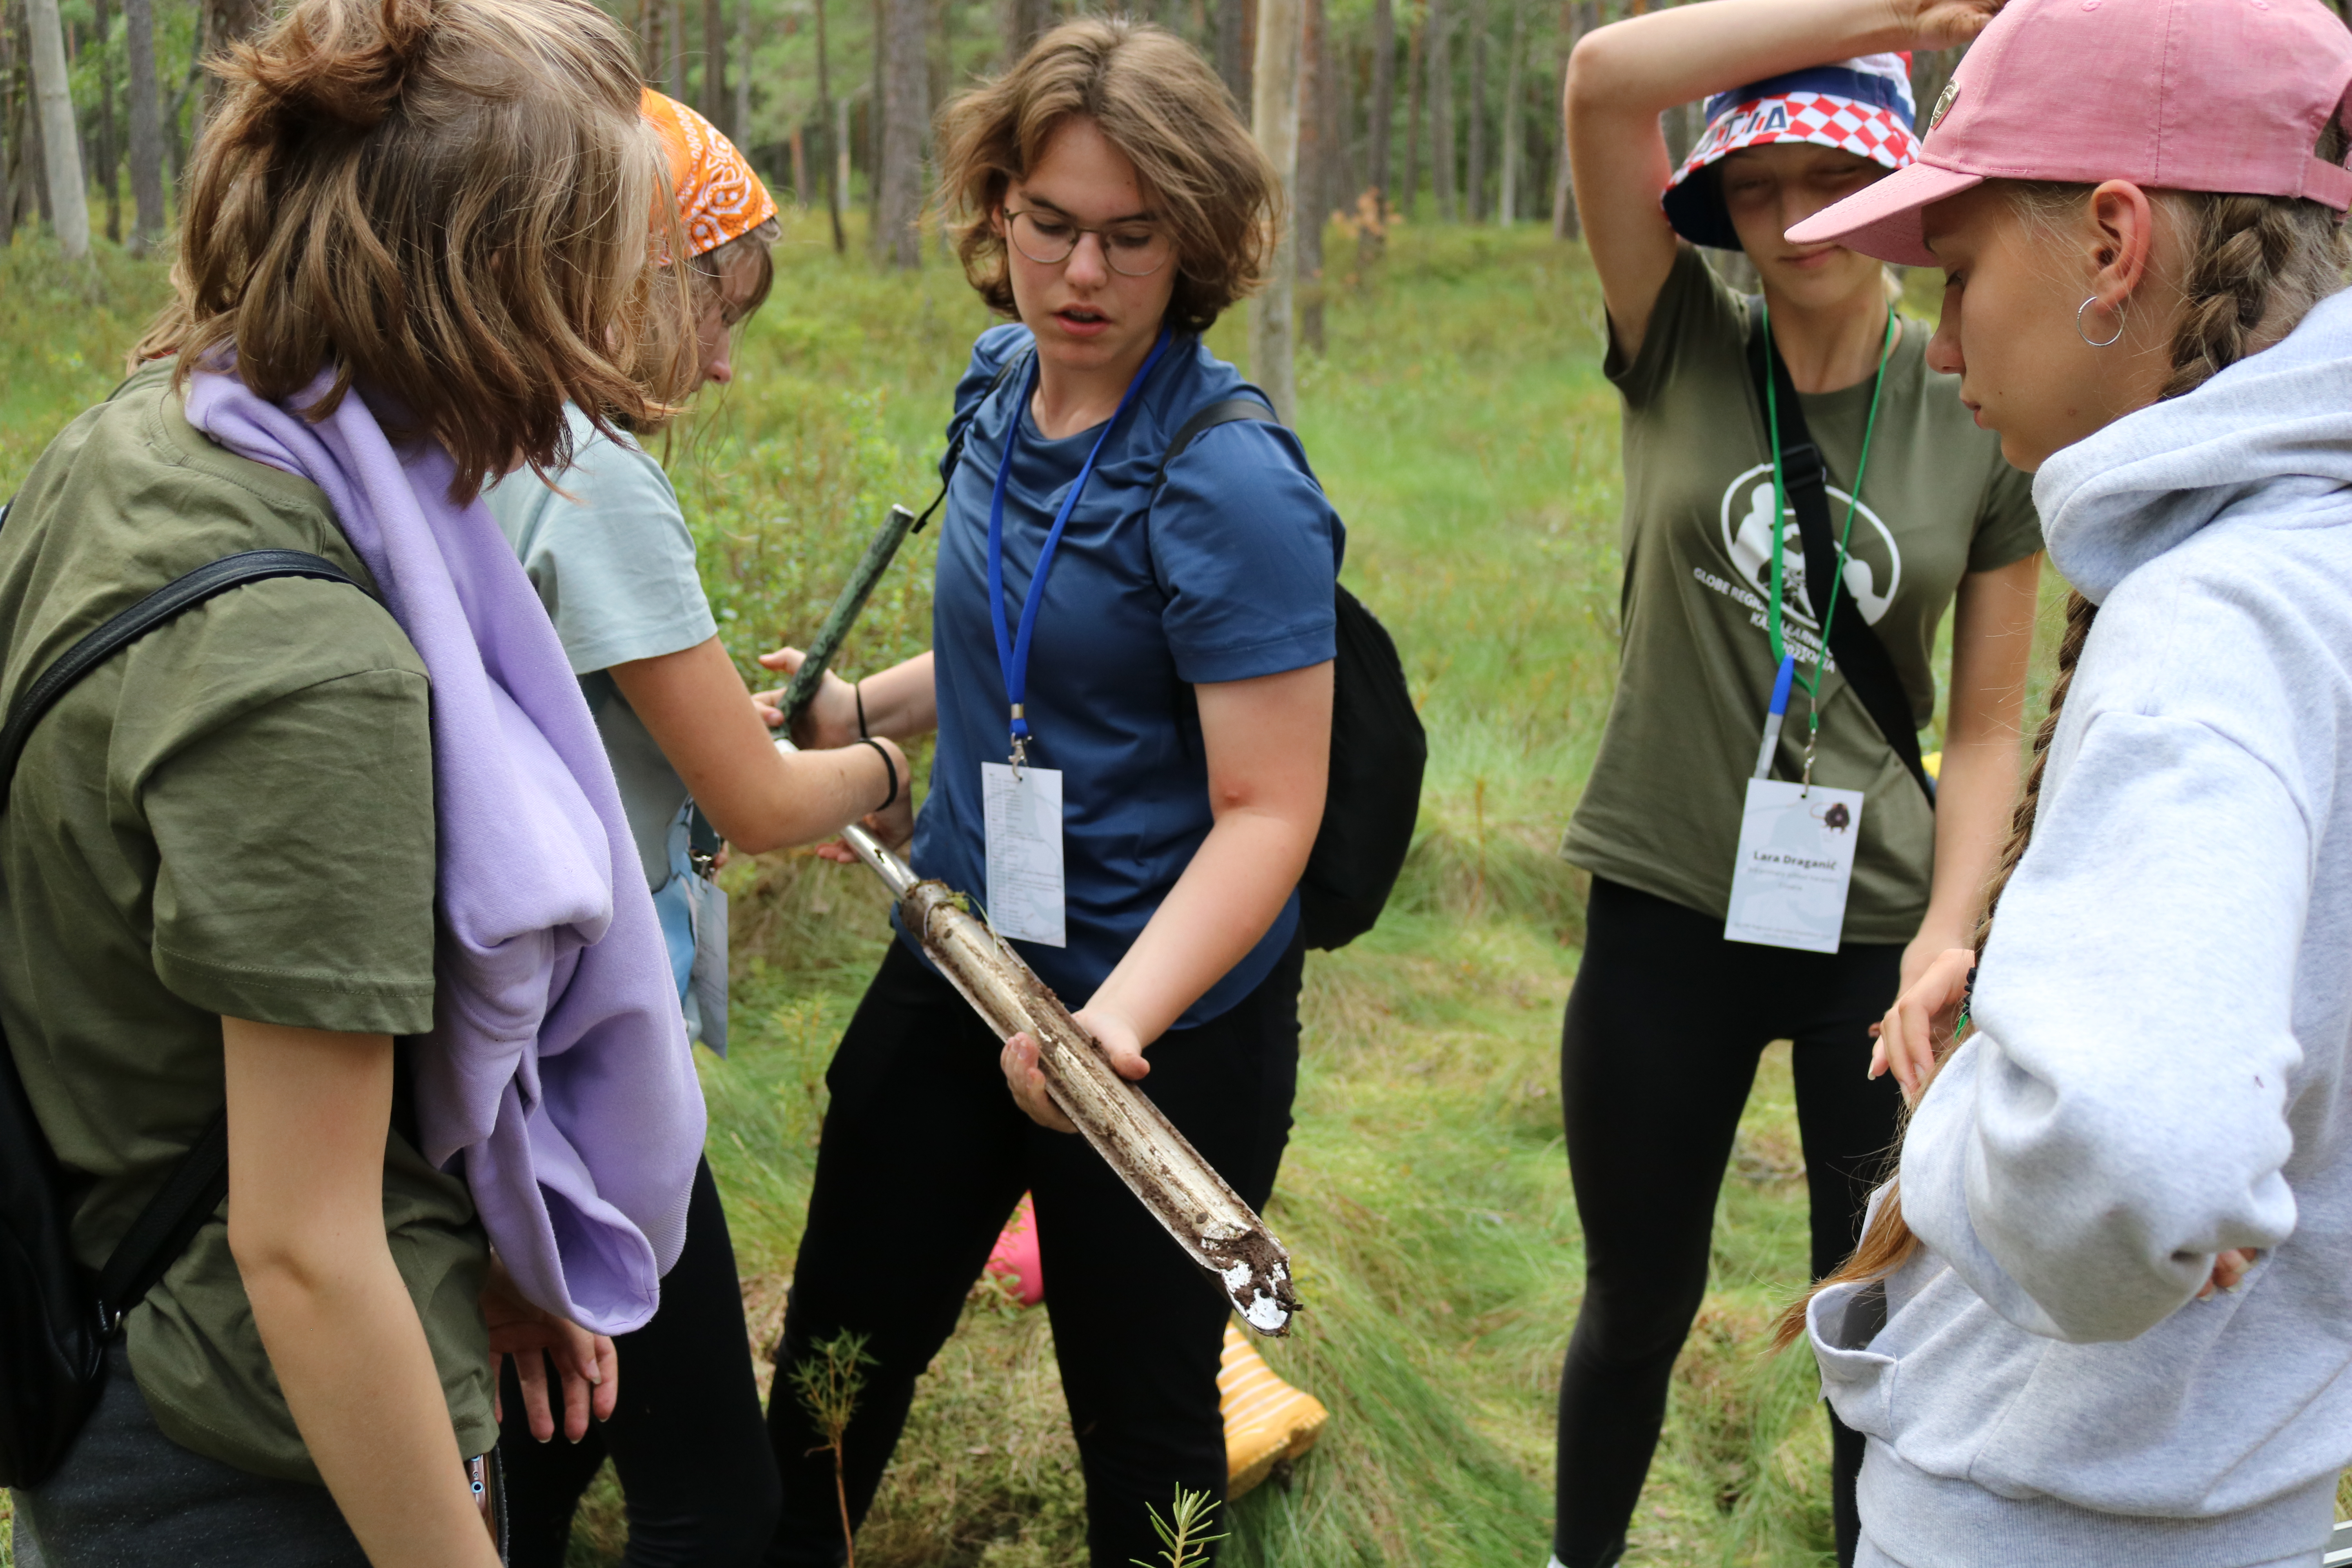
x=858, y=691
x=888, y=767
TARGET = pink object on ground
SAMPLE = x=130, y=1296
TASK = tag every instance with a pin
x=2184, y=95
x=1014, y=1254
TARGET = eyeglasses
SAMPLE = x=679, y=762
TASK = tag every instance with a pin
x=1132, y=249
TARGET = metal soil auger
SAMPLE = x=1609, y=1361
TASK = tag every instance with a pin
x=1207, y=1218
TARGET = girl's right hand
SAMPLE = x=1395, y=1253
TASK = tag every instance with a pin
x=1943, y=24
x=1917, y=1030
x=832, y=717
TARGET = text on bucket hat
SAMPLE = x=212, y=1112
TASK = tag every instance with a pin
x=2184, y=95
x=719, y=196
x=1860, y=106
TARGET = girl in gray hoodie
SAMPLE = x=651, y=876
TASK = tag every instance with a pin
x=2107, y=1318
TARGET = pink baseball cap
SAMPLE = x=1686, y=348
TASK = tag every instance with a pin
x=2184, y=95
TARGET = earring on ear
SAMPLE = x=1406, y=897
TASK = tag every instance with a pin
x=2085, y=336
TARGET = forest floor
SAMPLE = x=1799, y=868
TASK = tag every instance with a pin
x=1460, y=422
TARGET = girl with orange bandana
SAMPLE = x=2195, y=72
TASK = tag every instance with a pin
x=608, y=549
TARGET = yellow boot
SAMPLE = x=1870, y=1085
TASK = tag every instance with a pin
x=1266, y=1420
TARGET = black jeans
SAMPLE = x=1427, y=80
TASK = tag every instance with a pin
x=1656, y=1058
x=923, y=1156
x=685, y=1437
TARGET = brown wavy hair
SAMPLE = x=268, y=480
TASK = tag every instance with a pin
x=454, y=206
x=2256, y=266
x=1155, y=99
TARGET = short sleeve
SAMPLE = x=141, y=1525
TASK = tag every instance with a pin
x=609, y=552
x=2009, y=529
x=1247, y=550
x=296, y=860
x=1693, y=306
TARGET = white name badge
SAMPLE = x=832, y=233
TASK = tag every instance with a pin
x=1024, y=852
x=1796, y=862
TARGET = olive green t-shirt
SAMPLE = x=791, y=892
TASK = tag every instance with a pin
x=1662, y=812
x=233, y=815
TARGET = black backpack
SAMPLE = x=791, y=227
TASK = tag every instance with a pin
x=1378, y=752
x=56, y=1318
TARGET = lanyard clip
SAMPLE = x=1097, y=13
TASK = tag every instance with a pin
x=1020, y=739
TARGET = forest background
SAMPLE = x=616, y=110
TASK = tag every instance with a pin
x=1448, y=391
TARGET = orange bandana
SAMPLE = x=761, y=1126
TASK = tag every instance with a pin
x=719, y=196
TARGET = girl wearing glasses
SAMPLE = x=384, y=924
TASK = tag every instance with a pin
x=1132, y=687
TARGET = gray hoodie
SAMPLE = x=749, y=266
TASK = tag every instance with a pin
x=2158, y=1071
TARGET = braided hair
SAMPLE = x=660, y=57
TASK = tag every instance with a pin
x=2256, y=267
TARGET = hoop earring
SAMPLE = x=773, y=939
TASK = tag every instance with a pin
x=2085, y=336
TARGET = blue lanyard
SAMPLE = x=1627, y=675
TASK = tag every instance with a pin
x=1012, y=648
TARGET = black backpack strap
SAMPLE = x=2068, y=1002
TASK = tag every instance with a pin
x=198, y=1183
x=182, y=594
x=1862, y=658
x=1216, y=413
x=961, y=427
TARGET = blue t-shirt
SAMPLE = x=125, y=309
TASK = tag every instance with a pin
x=1229, y=576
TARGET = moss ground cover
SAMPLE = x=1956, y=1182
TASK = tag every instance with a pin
x=1460, y=422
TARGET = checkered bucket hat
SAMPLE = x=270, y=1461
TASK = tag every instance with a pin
x=1860, y=106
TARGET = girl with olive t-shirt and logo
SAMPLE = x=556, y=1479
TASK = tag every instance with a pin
x=1748, y=889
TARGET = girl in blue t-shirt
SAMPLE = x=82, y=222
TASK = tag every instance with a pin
x=1131, y=686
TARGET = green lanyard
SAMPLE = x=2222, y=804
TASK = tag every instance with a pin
x=1812, y=682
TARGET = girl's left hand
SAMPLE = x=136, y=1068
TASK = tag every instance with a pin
x=535, y=1336
x=1023, y=1077
x=1917, y=1030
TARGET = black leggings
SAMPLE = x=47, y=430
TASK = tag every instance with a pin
x=685, y=1436
x=1656, y=1058
x=923, y=1156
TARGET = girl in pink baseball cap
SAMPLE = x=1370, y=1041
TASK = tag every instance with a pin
x=2105, y=1318
x=1806, y=499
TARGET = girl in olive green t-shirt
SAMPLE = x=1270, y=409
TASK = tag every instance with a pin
x=1669, y=1015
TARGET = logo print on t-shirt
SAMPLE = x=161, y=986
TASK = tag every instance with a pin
x=1873, y=566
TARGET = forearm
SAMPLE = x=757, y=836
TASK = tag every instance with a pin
x=1646, y=64
x=1228, y=897
x=811, y=796
x=345, y=1343
x=900, y=702
x=1975, y=797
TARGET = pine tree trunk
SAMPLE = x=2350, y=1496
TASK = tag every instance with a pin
x=738, y=112
x=1514, y=147
x=715, y=104
x=1313, y=155
x=1573, y=24
x=12, y=135
x=224, y=23
x=1274, y=81
x=674, y=72
x=146, y=126
x=60, y=143
x=906, y=119
x=110, y=146
x=1031, y=19
x=1438, y=54
x=1475, y=181
x=1408, y=187
x=1382, y=129
x=832, y=137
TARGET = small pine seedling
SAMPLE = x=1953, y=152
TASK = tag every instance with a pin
x=828, y=1381
x=1181, y=1537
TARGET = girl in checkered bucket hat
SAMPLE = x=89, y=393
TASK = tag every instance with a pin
x=2102, y=1321
x=1806, y=501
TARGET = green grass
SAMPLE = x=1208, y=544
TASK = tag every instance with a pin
x=1462, y=427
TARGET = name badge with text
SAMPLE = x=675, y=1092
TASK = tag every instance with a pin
x=1024, y=812
x=1796, y=863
